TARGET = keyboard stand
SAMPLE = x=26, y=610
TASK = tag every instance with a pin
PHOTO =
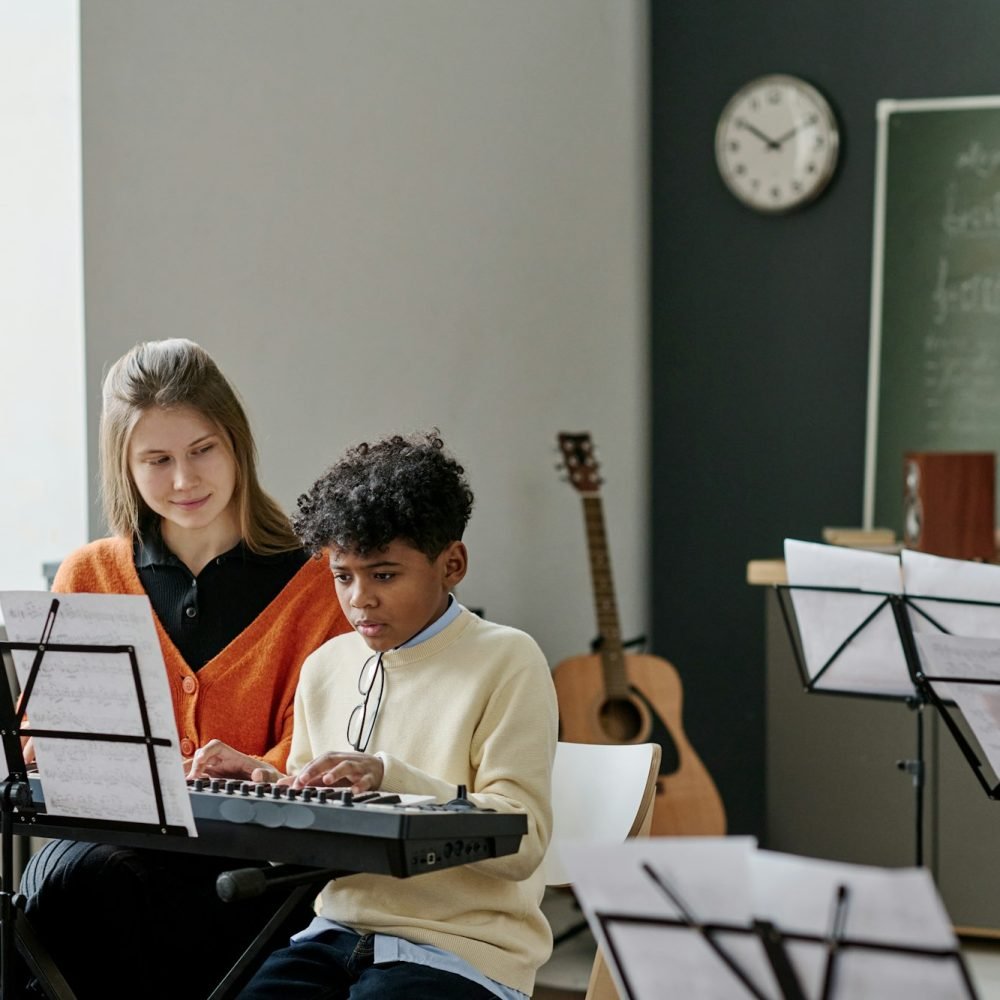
x=230, y=887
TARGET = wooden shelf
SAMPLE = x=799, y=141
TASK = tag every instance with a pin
x=766, y=572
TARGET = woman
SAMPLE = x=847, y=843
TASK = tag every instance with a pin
x=238, y=606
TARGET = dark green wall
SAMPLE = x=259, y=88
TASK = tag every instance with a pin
x=759, y=328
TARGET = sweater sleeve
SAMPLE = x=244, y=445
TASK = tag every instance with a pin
x=514, y=762
x=511, y=755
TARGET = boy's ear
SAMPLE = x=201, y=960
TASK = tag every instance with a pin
x=456, y=563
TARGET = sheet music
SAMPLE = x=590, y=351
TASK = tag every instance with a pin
x=958, y=579
x=873, y=661
x=711, y=877
x=887, y=905
x=95, y=692
x=726, y=880
x=977, y=659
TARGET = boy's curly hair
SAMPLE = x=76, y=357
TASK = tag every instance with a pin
x=406, y=488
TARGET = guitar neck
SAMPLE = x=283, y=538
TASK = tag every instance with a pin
x=605, y=606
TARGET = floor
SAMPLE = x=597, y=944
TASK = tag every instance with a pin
x=565, y=975
x=983, y=960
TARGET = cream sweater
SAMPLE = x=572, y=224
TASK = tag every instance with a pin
x=472, y=705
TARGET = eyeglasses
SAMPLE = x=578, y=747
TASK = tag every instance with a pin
x=361, y=722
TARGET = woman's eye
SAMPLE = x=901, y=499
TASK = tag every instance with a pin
x=384, y=576
x=208, y=447
x=159, y=460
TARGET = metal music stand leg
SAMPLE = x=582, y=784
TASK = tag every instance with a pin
x=16, y=931
x=39, y=961
x=917, y=770
x=915, y=767
x=7, y=938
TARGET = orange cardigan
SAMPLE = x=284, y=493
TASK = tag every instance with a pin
x=243, y=696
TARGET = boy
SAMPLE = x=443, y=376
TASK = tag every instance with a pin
x=422, y=696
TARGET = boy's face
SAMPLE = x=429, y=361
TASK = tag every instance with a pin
x=390, y=595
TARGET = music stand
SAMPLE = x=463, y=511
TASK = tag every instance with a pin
x=867, y=610
x=890, y=667
x=967, y=669
x=949, y=623
x=16, y=805
x=767, y=926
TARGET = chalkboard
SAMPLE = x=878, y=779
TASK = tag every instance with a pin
x=934, y=376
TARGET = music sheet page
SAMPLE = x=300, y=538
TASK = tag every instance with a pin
x=972, y=658
x=728, y=881
x=958, y=579
x=872, y=662
x=894, y=907
x=710, y=877
x=95, y=693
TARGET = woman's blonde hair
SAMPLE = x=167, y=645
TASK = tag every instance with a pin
x=175, y=373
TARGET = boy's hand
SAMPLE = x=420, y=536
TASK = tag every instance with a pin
x=219, y=760
x=361, y=772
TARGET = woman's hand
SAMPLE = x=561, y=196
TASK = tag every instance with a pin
x=219, y=760
x=361, y=772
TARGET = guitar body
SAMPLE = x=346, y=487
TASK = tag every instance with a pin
x=687, y=801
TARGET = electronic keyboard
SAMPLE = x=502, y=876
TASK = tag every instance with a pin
x=380, y=833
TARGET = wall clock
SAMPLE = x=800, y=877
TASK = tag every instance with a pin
x=776, y=143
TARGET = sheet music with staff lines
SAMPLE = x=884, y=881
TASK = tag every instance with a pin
x=684, y=917
x=95, y=693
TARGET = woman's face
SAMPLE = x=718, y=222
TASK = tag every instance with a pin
x=184, y=470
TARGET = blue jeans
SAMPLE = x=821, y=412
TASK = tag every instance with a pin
x=337, y=965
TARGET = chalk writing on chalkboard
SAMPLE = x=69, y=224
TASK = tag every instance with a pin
x=934, y=374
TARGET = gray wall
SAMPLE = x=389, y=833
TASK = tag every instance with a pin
x=760, y=328
x=381, y=216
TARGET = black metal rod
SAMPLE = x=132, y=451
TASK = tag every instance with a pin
x=918, y=781
x=7, y=944
x=784, y=972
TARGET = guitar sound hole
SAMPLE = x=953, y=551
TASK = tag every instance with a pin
x=620, y=720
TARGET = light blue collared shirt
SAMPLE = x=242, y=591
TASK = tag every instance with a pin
x=389, y=948
x=439, y=624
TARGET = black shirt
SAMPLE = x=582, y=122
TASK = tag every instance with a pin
x=203, y=614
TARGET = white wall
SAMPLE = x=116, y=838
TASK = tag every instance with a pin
x=43, y=512
x=381, y=216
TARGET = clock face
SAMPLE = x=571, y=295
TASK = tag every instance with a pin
x=776, y=143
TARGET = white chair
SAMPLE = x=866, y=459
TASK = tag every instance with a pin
x=601, y=793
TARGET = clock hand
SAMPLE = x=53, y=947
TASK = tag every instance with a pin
x=780, y=141
x=771, y=144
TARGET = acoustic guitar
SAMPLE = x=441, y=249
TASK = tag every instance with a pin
x=611, y=696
